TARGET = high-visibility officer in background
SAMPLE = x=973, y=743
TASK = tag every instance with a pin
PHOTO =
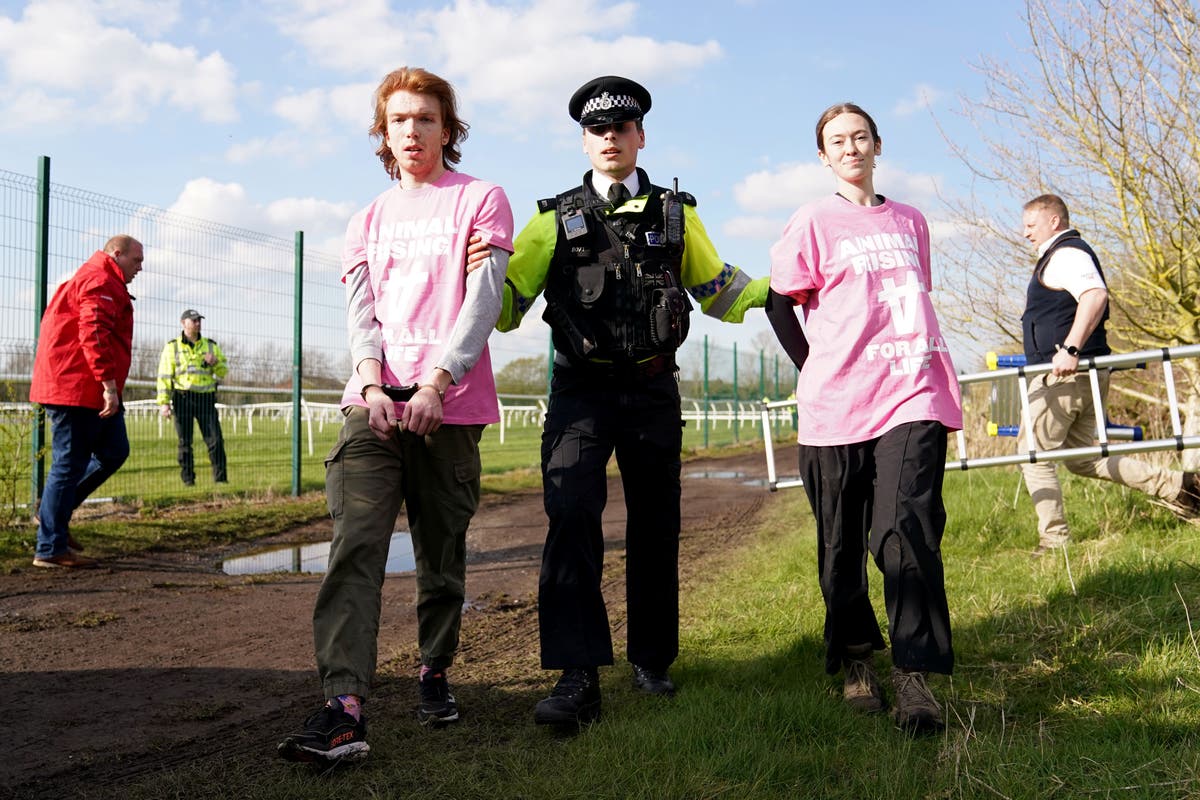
x=189, y=371
x=616, y=257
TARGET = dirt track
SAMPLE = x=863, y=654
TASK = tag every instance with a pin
x=157, y=661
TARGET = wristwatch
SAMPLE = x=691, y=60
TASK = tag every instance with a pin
x=1072, y=350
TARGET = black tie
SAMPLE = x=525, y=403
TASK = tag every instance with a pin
x=617, y=194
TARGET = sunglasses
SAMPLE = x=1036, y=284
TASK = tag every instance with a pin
x=615, y=127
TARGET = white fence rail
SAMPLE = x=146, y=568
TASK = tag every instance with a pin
x=1104, y=446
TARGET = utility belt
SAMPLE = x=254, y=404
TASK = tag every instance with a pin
x=647, y=368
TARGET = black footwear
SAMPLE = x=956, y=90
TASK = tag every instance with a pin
x=330, y=736
x=861, y=689
x=653, y=682
x=574, y=701
x=916, y=711
x=437, y=704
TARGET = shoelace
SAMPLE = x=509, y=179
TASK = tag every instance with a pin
x=912, y=686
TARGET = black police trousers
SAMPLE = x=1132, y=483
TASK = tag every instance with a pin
x=883, y=496
x=592, y=414
x=188, y=409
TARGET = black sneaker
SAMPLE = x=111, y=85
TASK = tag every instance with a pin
x=574, y=701
x=437, y=704
x=330, y=735
x=653, y=681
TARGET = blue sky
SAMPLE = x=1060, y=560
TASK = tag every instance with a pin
x=254, y=114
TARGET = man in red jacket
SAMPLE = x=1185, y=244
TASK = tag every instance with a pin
x=79, y=373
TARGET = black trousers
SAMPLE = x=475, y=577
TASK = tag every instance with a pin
x=198, y=407
x=590, y=416
x=883, y=496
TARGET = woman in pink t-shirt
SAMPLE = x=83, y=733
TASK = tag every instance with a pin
x=877, y=396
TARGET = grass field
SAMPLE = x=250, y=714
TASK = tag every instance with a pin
x=1071, y=682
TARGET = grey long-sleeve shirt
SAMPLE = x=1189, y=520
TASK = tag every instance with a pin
x=480, y=310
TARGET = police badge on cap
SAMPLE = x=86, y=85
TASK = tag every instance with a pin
x=608, y=99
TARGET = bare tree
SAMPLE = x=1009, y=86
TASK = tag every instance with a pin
x=1108, y=117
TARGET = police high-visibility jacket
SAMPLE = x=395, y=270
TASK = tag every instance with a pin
x=181, y=367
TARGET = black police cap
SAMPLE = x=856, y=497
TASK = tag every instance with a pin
x=609, y=99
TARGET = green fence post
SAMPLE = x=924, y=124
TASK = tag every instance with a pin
x=297, y=363
x=37, y=443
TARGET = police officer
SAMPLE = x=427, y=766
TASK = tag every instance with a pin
x=189, y=371
x=614, y=257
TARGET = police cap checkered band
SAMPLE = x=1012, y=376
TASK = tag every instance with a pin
x=609, y=99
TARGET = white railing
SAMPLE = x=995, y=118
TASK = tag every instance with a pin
x=1104, y=447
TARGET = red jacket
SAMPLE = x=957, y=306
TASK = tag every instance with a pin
x=86, y=337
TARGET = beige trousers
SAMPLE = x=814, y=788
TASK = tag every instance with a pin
x=1064, y=417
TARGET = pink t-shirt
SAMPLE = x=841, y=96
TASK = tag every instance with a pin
x=878, y=358
x=414, y=242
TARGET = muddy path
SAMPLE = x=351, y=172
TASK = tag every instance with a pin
x=156, y=661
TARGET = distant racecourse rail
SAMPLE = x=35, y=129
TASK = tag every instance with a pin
x=1104, y=447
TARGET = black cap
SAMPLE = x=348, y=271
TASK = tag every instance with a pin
x=609, y=99
x=191, y=313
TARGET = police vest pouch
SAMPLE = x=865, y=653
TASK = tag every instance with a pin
x=668, y=318
x=589, y=283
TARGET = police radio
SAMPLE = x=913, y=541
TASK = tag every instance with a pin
x=673, y=215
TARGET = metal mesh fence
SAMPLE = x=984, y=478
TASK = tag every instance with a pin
x=244, y=283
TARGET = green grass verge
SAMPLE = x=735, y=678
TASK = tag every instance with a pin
x=1079, y=684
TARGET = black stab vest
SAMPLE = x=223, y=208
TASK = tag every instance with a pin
x=614, y=292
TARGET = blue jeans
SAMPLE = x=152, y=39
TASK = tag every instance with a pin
x=86, y=451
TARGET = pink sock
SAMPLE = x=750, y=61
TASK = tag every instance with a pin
x=351, y=704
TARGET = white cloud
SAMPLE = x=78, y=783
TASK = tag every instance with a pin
x=288, y=146
x=754, y=227
x=522, y=61
x=67, y=51
x=924, y=97
x=773, y=194
x=322, y=221
x=783, y=188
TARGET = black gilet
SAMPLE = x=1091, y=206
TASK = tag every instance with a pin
x=1049, y=313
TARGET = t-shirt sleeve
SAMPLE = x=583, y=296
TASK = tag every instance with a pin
x=791, y=256
x=494, y=222
x=354, y=248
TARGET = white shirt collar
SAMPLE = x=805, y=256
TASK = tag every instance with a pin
x=601, y=182
x=1041, y=251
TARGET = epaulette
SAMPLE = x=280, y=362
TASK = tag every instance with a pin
x=687, y=198
x=547, y=204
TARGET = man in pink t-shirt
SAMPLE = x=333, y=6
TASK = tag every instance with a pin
x=416, y=405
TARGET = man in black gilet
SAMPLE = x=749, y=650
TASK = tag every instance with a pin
x=1066, y=306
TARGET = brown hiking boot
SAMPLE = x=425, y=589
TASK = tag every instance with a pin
x=1189, y=496
x=916, y=711
x=861, y=689
x=67, y=560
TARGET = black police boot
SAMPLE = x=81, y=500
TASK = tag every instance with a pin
x=574, y=701
x=651, y=681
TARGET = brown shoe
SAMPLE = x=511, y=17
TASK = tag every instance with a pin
x=861, y=689
x=916, y=712
x=67, y=560
x=1189, y=496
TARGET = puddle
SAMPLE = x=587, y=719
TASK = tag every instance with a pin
x=727, y=475
x=314, y=558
